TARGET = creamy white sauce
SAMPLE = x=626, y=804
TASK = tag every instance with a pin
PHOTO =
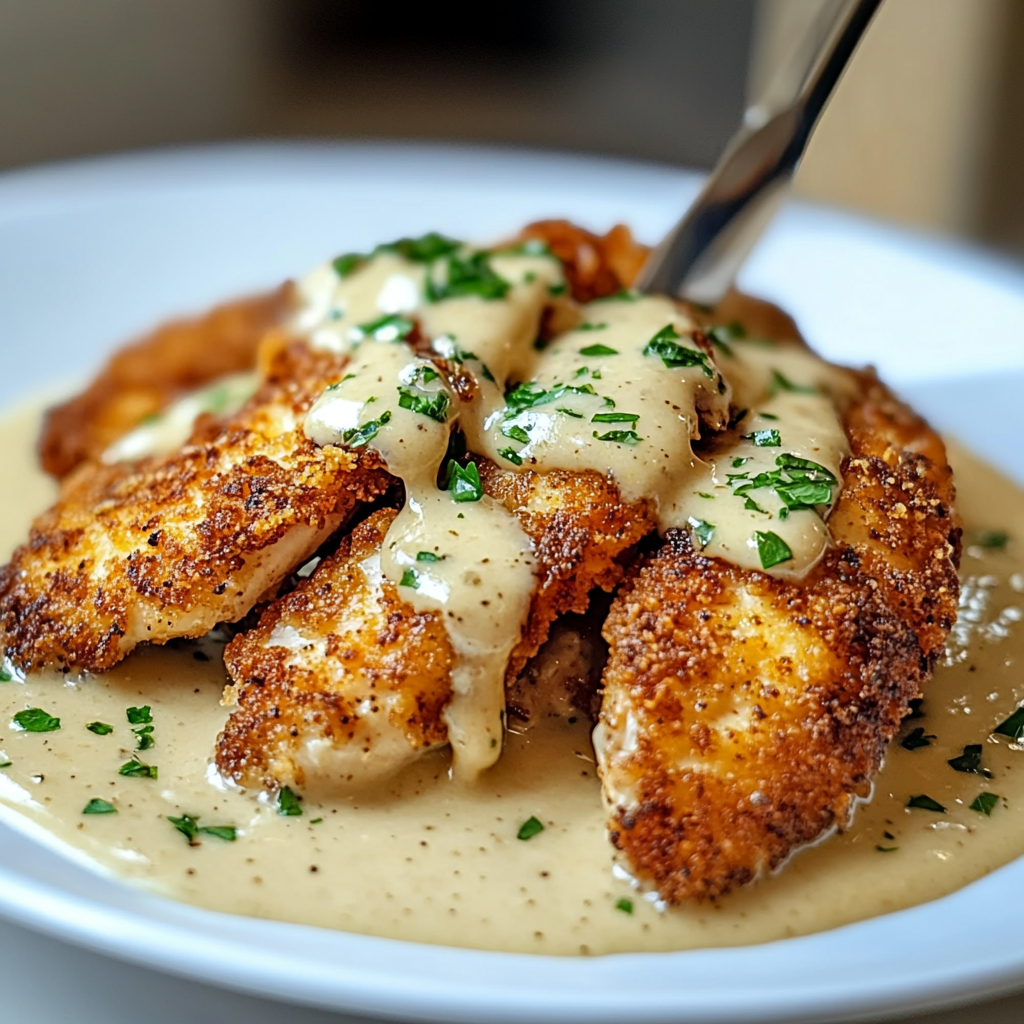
x=421, y=859
x=167, y=430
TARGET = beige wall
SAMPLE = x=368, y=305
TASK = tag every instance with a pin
x=923, y=125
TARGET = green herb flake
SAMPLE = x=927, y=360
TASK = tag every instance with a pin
x=461, y=276
x=463, y=482
x=703, y=530
x=991, y=540
x=6, y=764
x=969, y=761
x=425, y=249
x=359, y=437
x=599, y=350
x=226, y=832
x=187, y=826
x=511, y=455
x=588, y=326
x=886, y=849
x=615, y=417
x=433, y=406
x=569, y=412
x=557, y=289
x=780, y=382
x=665, y=346
x=916, y=739
x=36, y=720
x=98, y=806
x=428, y=556
x=626, y=906
x=985, y=803
x=5, y=676
x=737, y=462
x=411, y=579
x=137, y=768
x=923, y=802
x=100, y=728
x=288, y=803
x=348, y=263
x=144, y=738
x=771, y=548
x=390, y=327
x=529, y=395
x=315, y=821
x=752, y=506
x=530, y=828
x=627, y=437
x=626, y=295
x=704, y=494
x=515, y=432
x=1013, y=726
x=764, y=438
x=139, y=716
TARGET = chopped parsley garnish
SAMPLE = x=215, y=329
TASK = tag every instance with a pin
x=511, y=455
x=425, y=249
x=463, y=482
x=1013, y=726
x=515, y=432
x=969, y=761
x=529, y=828
x=143, y=718
x=991, y=540
x=187, y=826
x=100, y=728
x=764, y=438
x=569, y=412
x=530, y=394
x=629, y=437
x=752, y=506
x=771, y=548
x=768, y=416
x=599, y=350
x=139, y=716
x=391, y=327
x=737, y=462
x=916, y=739
x=486, y=373
x=348, y=263
x=5, y=676
x=315, y=821
x=428, y=556
x=626, y=295
x=411, y=579
x=288, y=803
x=36, y=720
x=626, y=906
x=98, y=806
x=6, y=764
x=780, y=382
x=434, y=406
x=984, y=803
x=470, y=275
x=588, y=326
x=448, y=348
x=557, y=289
x=615, y=417
x=703, y=530
x=923, y=802
x=136, y=768
x=144, y=737
x=359, y=437
x=226, y=832
x=800, y=483
x=886, y=849
x=704, y=494
x=665, y=345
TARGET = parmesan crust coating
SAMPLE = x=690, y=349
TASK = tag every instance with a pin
x=743, y=715
x=340, y=682
x=147, y=376
x=171, y=546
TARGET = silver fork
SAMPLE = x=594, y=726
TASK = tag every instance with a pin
x=699, y=258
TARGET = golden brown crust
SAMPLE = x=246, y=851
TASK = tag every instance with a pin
x=763, y=707
x=581, y=532
x=146, y=376
x=340, y=678
x=173, y=545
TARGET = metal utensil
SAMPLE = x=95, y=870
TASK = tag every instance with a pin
x=701, y=255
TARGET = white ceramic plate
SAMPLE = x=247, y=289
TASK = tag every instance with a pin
x=93, y=252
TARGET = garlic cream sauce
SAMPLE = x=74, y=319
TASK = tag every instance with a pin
x=423, y=859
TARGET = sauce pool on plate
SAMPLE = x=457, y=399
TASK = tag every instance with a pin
x=429, y=859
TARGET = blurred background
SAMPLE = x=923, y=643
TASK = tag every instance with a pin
x=926, y=128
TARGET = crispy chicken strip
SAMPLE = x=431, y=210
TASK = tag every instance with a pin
x=344, y=635
x=743, y=715
x=145, y=377
x=340, y=681
x=171, y=546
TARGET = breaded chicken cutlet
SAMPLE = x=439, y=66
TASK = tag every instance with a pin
x=169, y=547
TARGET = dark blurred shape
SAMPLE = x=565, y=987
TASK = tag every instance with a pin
x=661, y=79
